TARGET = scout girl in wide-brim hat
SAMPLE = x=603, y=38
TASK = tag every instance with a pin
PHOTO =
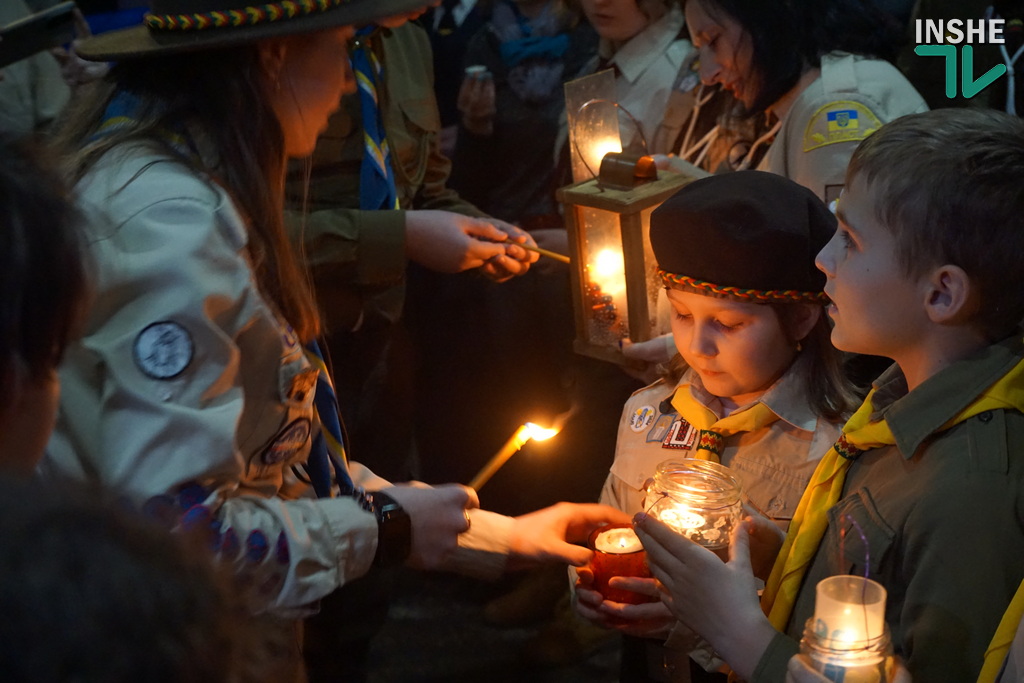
x=182, y=25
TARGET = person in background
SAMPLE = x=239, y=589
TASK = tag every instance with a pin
x=821, y=78
x=655, y=81
x=32, y=92
x=451, y=26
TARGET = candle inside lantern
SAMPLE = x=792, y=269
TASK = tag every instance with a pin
x=618, y=552
x=519, y=438
x=849, y=610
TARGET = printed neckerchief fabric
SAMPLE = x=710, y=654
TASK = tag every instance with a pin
x=713, y=431
x=825, y=489
x=327, y=452
x=377, y=188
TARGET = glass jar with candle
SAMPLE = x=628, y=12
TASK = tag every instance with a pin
x=847, y=639
x=699, y=499
x=618, y=552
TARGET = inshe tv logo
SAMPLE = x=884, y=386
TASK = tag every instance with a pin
x=940, y=38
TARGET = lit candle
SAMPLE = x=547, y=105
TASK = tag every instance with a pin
x=519, y=438
x=849, y=610
x=846, y=639
x=698, y=499
x=599, y=148
x=618, y=552
x=609, y=272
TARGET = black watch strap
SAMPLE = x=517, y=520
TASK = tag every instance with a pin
x=394, y=527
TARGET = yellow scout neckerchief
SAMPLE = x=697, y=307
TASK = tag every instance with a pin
x=712, y=430
x=826, y=487
x=995, y=655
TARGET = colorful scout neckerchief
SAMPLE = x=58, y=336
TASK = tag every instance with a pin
x=327, y=452
x=826, y=488
x=376, y=174
x=713, y=430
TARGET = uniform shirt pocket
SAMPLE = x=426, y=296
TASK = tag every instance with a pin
x=857, y=535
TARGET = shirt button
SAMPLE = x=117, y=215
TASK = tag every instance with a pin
x=985, y=416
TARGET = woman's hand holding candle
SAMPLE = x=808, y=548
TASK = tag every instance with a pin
x=716, y=599
x=551, y=534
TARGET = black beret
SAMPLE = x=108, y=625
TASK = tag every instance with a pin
x=750, y=231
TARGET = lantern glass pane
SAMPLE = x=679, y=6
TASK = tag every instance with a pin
x=658, y=307
x=604, y=286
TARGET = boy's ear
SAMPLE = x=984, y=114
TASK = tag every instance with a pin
x=950, y=297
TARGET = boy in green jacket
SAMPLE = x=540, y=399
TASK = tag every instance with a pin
x=924, y=490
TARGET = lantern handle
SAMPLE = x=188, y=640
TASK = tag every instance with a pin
x=598, y=100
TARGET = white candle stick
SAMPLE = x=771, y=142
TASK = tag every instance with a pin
x=519, y=438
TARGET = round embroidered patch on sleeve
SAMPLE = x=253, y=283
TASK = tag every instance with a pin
x=841, y=121
x=163, y=350
x=641, y=418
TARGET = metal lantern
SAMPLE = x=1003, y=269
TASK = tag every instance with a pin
x=616, y=291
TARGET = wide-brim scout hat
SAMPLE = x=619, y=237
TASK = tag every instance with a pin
x=183, y=25
x=749, y=235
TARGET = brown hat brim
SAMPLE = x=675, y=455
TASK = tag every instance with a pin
x=141, y=41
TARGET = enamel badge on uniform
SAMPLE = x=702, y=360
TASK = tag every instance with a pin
x=681, y=436
x=842, y=121
x=641, y=418
x=163, y=350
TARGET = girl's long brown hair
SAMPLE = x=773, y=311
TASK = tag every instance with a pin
x=217, y=97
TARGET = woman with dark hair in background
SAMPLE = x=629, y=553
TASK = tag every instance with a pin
x=818, y=71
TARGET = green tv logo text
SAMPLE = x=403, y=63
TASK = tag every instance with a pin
x=947, y=36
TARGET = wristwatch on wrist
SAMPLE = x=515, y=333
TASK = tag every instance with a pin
x=394, y=527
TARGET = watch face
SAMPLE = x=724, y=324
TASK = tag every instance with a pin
x=394, y=530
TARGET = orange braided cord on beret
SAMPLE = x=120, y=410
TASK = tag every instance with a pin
x=753, y=295
x=246, y=16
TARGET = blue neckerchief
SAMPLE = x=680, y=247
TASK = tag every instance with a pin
x=122, y=112
x=377, y=189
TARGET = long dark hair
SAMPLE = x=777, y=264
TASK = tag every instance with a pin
x=789, y=36
x=218, y=97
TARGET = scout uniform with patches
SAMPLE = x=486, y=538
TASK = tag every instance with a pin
x=654, y=81
x=773, y=464
x=750, y=237
x=188, y=393
x=822, y=125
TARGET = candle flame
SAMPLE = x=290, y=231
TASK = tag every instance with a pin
x=538, y=433
x=605, y=146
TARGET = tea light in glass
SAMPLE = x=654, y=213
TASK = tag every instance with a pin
x=847, y=639
x=618, y=552
x=699, y=499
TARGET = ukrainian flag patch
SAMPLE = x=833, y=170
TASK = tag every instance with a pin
x=841, y=121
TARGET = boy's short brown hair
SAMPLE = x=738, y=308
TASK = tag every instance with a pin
x=949, y=186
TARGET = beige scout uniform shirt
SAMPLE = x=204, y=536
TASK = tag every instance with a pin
x=189, y=395
x=652, y=82
x=822, y=124
x=773, y=466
